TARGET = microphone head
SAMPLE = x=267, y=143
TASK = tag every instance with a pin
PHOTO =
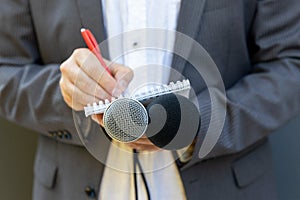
x=125, y=120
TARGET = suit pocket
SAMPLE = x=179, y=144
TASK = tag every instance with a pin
x=45, y=172
x=251, y=167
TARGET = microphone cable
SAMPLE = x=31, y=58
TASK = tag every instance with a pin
x=136, y=163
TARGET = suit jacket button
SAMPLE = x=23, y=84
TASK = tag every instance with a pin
x=60, y=134
x=67, y=135
x=90, y=192
x=52, y=134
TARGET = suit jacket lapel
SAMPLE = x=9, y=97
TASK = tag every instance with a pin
x=92, y=18
x=188, y=23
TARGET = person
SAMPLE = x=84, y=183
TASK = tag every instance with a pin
x=255, y=44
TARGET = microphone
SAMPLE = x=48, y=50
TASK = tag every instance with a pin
x=125, y=120
x=170, y=121
x=174, y=121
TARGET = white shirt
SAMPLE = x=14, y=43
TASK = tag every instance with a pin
x=128, y=15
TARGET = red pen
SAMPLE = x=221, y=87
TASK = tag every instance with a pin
x=93, y=46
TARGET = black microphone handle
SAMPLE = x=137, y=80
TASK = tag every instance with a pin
x=174, y=121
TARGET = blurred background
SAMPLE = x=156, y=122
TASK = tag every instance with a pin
x=18, y=145
x=17, y=149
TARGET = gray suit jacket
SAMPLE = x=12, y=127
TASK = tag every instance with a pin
x=255, y=44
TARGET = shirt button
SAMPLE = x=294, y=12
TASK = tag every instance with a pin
x=90, y=192
x=135, y=44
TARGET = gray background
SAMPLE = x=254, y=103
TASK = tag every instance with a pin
x=18, y=147
x=286, y=156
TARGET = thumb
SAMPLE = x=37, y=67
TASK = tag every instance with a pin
x=123, y=76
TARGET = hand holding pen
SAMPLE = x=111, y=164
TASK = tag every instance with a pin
x=85, y=77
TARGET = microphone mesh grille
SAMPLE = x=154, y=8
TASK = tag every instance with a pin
x=125, y=120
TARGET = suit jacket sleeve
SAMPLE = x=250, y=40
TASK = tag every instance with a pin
x=267, y=98
x=29, y=91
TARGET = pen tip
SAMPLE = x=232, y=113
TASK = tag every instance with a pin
x=82, y=29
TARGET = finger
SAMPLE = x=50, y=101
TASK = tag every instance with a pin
x=121, y=72
x=82, y=81
x=123, y=76
x=68, y=100
x=98, y=118
x=89, y=63
x=78, y=98
x=143, y=141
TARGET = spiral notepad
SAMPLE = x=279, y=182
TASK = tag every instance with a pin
x=178, y=87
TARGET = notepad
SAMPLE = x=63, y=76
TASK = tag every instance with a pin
x=152, y=92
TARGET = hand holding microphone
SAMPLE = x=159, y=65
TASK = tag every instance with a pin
x=170, y=121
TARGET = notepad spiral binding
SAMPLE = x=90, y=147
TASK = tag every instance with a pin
x=179, y=86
